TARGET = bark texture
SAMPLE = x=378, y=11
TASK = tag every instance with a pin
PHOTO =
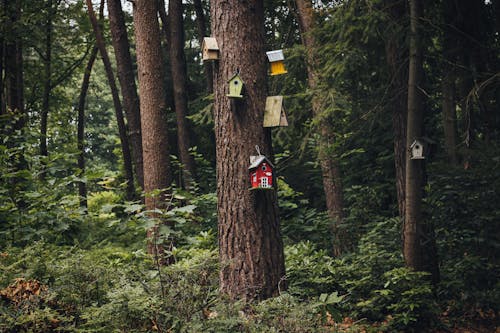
x=179, y=81
x=332, y=183
x=250, y=245
x=155, y=151
x=47, y=76
x=82, y=186
x=126, y=78
x=396, y=56
x=127, y=158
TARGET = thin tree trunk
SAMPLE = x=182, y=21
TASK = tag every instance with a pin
x=332, y=184
x=179, y=79
x=398, y=71
x=82, y=186
x=47, y=84
x=155, y=151
x=2, y=95
x=250, y=244
x=127, y=159
x=126, y=78
x=202, y=32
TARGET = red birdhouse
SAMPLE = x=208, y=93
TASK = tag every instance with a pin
x=261, y=173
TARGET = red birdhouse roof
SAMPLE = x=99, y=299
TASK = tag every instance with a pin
x=258, y=161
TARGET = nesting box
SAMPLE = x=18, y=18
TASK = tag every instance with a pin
x=261, y=173
x=274, y=114
x=235, y=86
x=210, y=49
x=417, y=150
x=276, y=58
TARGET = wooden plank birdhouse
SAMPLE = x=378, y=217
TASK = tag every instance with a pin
x=417, y=150
x=210, y=49
x=235, y=86
x=274, y=114
x=261, y=173
x=276, y=58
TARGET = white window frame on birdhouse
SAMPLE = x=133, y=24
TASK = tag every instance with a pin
x=264, y=182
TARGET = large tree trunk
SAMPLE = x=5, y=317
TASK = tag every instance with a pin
x=82, y=185
x=47, y=83
x=419, y=246
x=155, y=151
x=202, y=32
x=126, y=78
x=250, y=244
x=332, y=184
x=127, y=159
x=398, y=71
x=179, y=80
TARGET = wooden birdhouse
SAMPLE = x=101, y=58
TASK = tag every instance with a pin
x=274, y=114
x=276, y=58
x=261, y=173
x=417, y=150
x=210, y=49
x=235, y=86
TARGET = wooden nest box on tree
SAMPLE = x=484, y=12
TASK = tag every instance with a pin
x=210, y=49
x=274, y=114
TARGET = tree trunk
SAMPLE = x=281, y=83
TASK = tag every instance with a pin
x=448, y=82
x=397, y=67
x=126, y=78
x=82, y=186
x=127, y=159
x=179, y=80
x=332, y=184
x=202, y=32
x=155, y=151
x=250, y=244
x=47, y=83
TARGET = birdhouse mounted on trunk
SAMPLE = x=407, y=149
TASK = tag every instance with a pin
x=274, y=114
x=210, y=49
x=417, y=150
x=235, y=86
x=261, y=173
x=276, y=58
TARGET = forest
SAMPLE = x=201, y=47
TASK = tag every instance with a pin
x=250, y=166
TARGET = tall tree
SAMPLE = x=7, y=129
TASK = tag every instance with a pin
x=155, y=151
x=47, y=86
x=330, y=169
x=179, y=80
x=202, y=32
x=250, y=244
x=127, y=159
x=126, y=78
x=396, y=56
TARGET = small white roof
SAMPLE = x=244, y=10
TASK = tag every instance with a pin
x=258, y=160
x=276, y=55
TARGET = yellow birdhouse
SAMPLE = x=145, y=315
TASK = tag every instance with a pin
x=210, y=49
x=276, y=58
x=274, y=114
x=235, y=86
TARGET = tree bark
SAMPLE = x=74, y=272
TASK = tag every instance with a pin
x=127, y=159
x=179, y=80
x=202, y=32
x=398, y=71
x=82, y=186
x=126, y=78
x=330, y=169
x=250, y=244
x=47, y=84
x=155, y=151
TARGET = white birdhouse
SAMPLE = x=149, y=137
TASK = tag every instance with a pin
x=417, y=150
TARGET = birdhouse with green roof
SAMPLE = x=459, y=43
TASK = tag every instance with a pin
x=235, y=86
